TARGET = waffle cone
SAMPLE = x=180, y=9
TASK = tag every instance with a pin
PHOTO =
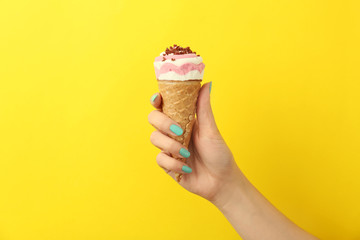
x=179, y=103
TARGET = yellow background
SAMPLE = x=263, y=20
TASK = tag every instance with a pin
x=75, y=81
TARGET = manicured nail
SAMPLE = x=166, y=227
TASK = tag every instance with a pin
x=176, y=129
x=186, y=169
x=185, y=153
x=210, y=87
x=154, y=97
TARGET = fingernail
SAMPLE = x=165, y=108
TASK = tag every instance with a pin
x=186, y=169
x=185, y=153
x=210, y=87
x=154, y=97
x=176, y=129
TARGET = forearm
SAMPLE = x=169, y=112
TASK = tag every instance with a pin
x=253, y=216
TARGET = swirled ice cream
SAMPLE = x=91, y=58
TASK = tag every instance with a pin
x=179, y=64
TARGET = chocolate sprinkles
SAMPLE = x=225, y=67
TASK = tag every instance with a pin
x=177, y=50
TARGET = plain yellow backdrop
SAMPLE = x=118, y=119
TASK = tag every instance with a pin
x=76, y=77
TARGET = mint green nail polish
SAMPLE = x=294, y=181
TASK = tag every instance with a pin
x=154, y=97
x=210, y=87
x=185, y=153
x=176, y=129
x=186, y=169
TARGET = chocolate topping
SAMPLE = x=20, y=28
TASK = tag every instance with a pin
x=177, y=50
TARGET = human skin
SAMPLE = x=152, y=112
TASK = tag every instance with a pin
x=216, y=177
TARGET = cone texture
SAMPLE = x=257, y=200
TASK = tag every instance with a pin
x=179, y=103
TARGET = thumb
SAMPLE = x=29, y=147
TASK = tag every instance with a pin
x=205, y=117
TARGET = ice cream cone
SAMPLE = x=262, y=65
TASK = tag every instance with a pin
x=179, y=72
x=179, y=103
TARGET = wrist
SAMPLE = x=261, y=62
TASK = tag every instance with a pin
x=232, y=191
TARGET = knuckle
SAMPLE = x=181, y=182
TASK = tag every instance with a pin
x=150, y=116
x=153, y=136
x=159, y=158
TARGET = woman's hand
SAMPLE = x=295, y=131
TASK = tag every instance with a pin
x=212, y=166
x=216, y=177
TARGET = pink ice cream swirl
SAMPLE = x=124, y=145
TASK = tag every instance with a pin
x=177, y=66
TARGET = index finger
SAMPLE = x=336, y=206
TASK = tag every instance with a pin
x=155, y=100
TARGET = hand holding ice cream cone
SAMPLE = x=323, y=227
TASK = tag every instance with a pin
x=209, y=170
x=193, y=150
